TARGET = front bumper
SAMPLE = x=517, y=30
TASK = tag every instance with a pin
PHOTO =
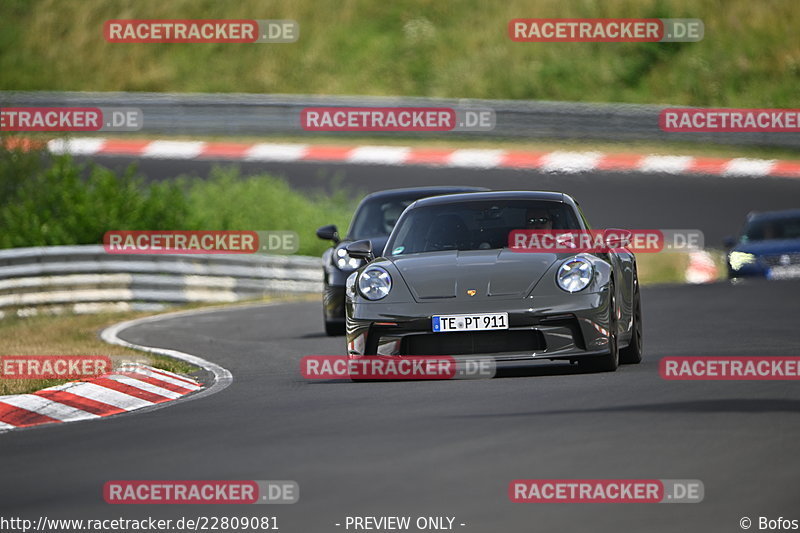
x=564, y=327
x=773, y=272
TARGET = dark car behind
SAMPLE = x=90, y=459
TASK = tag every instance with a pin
x=373, y=220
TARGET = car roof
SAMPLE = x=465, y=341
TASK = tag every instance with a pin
x=422, y=191
x=767, y=215
x=494, y=195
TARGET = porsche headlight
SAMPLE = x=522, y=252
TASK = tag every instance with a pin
x=350, y=285
x=374, y=283
x=738, y=259
x=575, y=274
x=344, y=261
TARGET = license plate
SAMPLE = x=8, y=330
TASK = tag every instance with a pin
x=784, y=272
x=476, y=322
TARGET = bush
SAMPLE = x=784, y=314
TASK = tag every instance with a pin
x=50, y=201
x=227, y=201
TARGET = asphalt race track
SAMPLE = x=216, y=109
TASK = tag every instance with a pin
x=446, y=448
x=715, y=205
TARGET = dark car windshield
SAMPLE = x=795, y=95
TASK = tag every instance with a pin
x=767, y=229
x=376, y=217
x=478, y=225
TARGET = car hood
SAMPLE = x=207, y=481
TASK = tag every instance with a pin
x=490, y=273
x=783, y=246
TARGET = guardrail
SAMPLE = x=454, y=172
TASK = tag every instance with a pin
x=264, y=114
x=88, y=278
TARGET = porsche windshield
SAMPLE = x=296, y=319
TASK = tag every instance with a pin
x=478, y=225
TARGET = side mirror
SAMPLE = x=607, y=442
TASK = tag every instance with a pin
x=617, y=238
x=329, y=233
x=360, y=250
x=729, y=242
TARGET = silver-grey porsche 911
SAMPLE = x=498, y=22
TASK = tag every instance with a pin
x=448, y=284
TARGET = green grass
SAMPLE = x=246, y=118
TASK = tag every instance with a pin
x=670, y=267
x=662, y=268
x=750, y=56
x=226, y=201
x=70, y=335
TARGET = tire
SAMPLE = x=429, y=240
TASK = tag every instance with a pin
x=632, y=354
x=610, y=361
x=334, y=329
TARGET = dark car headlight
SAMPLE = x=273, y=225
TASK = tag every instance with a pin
x=350, y=285
x=344, y=262
x=575, y=274
x=374, y=283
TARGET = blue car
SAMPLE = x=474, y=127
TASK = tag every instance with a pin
x=768, y=247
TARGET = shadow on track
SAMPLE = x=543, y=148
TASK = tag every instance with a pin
x=733, y=405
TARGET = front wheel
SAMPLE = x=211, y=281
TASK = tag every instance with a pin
x=334, y=329
x=632, y=354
